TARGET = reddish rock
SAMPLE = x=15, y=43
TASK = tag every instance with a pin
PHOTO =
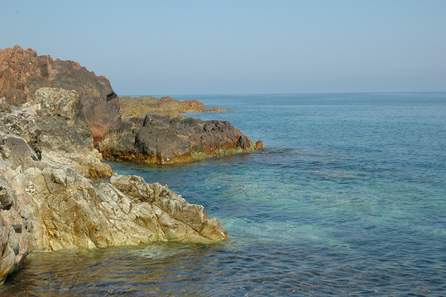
x=119, y=126
x=22, y=72
x=259, y=145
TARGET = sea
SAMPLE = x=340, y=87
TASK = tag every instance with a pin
x=347, y=199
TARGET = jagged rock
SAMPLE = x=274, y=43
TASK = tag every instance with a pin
x=56, y=193
x=75, y=212
x=6, y=196
x=58, y=101
x=16, y=150
x=4, y=106
x=159, y=139
x=73, y=93
x=22, y=72
x=15, y=229
x=179, y=212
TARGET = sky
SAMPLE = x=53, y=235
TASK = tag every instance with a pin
x=240, y=47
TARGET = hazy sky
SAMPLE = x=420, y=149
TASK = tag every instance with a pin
x=204, y=47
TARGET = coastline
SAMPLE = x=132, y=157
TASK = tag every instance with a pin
x=57, y=193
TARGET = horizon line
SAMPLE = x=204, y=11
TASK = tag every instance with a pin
x=283, y=93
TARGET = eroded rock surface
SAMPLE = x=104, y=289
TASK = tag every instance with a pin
x=22, y=72
x=81, y=96
x=56, y=193
x=160, y=139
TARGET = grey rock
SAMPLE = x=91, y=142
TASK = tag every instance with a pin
x=161, y=139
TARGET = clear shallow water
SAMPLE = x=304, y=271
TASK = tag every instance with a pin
x=349, y=199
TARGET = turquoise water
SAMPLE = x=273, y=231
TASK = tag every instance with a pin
x=348, y=199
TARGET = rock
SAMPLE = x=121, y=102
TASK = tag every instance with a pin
x=159, y=139
x=57, y=121
x=70, y=92
x=16, y=150
x=74, y=212
x=259, y=145
x=6, y=199
x=56, y=193
x=15, y=236
x=4, y=106
x=140, y=106
x=57, y=101
x=187, y=218
x=22, y=72
x=7, y=256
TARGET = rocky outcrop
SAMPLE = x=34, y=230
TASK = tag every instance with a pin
x=22, y=72
x=159, y=139
x=15, y=228
x=56, y=193
x=140, y=106
x=82, y=97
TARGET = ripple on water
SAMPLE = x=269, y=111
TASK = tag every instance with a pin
x=347, y=200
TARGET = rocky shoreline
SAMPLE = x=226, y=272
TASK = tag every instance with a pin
x=160, y=140
x=140, y=106
x=154, y=132
x=58, y=121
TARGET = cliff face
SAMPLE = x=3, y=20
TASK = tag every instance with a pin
x=22, y=72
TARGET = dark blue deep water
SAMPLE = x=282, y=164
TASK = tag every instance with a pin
x=349, y=199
